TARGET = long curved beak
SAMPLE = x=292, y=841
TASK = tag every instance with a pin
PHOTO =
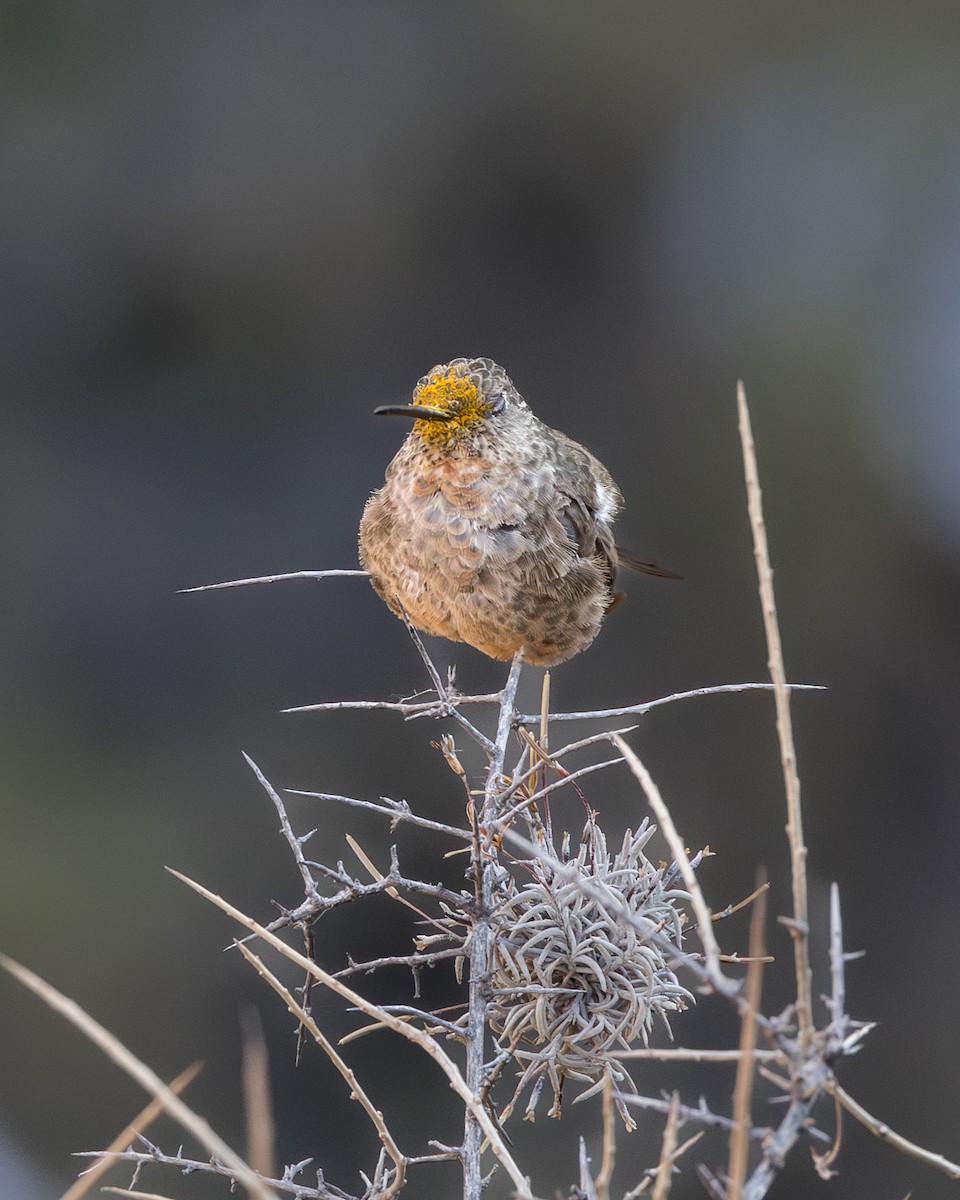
x=419, y=412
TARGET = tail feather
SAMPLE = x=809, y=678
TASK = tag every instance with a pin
x=625, y=559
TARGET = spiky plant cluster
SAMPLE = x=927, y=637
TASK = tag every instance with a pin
x=580, y=964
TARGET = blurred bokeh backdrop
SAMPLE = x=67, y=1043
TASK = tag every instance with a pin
x=227, y=233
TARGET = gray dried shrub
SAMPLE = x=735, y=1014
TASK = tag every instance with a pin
x=576, y=974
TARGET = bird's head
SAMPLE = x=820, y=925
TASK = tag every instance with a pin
x=458, y=398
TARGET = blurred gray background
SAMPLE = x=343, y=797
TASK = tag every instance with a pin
x=228, y=232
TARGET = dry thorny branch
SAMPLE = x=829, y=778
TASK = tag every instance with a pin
x=573, y=952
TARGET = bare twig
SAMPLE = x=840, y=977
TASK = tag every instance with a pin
x=678, y=850
x=587, y=1190
x=448, y=703
x=732, y=908
x=886, y=1134
x=743, y=1089
x=407, y=708
x=701, y=1113
x=411, y=710
x=649, y=705
x=411, y=961
x=132, y=1195
x=823, y=1163
x=151, y=1082
x=394, y=809
x=566, y=778
x=356, y=1091
x=638, y=1191
x=213, y=1166
x=80, y=1187
x=799, y=926
x=685, y=1054
x=295, y=843
x=521, y=778
x=432, y=1021
x=838, y=994
x=393, y=892
x=232, y=583
x=794, y=1125
x=351, y=889
x=428, y=1044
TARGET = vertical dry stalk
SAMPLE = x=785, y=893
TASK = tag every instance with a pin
x=255, y=1087
x=799, y=926
x=743, y=1088
x=602, y=1182
x=661, y=1188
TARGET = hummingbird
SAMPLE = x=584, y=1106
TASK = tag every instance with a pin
x=492, y=528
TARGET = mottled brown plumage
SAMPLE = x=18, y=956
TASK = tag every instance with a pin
x=492, y=528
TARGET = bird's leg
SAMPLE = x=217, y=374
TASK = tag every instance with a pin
x=446, y=703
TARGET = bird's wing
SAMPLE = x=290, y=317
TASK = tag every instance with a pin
x=591, y=537
x=588, y=521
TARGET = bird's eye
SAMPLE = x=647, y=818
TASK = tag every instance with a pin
x=499, y=403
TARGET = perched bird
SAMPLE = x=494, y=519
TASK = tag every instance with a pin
x=493, y=529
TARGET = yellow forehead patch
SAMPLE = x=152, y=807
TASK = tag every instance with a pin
x=450, y=392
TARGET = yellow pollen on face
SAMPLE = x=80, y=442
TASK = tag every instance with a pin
x=450, y=392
